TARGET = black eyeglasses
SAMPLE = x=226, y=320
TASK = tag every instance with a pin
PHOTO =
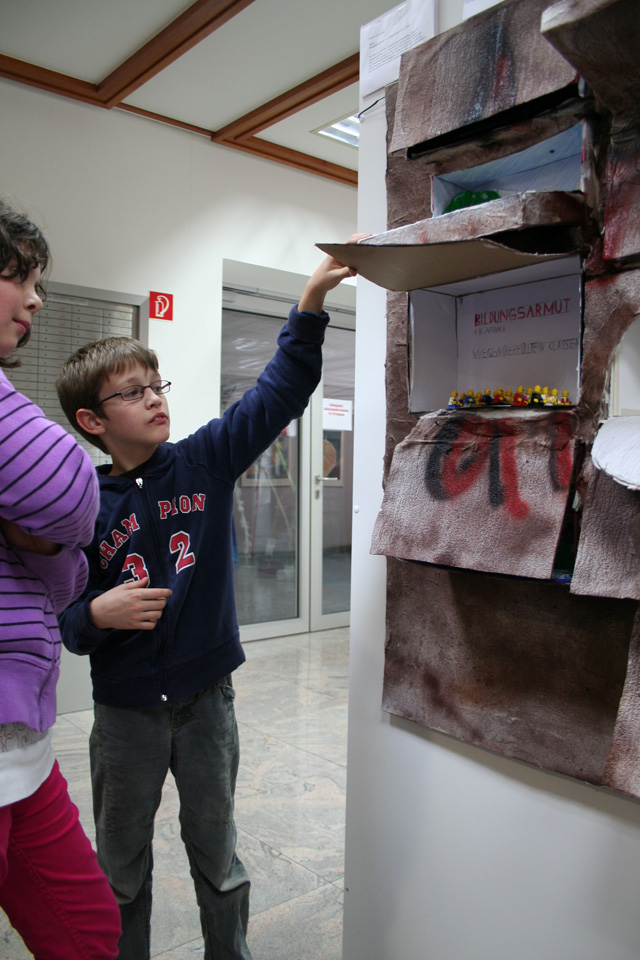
x=136, y=391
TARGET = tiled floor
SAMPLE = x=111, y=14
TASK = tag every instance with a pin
x=291, y=705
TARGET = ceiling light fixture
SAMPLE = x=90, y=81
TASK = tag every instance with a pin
x=346, y=130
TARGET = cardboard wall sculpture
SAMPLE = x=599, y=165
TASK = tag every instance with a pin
x=513, y=535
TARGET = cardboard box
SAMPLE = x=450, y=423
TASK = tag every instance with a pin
x=552, y=164
x=520, y=328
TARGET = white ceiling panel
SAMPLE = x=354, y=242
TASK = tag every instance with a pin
x=268, y=48
x=86, y=39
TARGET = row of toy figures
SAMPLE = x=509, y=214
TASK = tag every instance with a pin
x=531, y=397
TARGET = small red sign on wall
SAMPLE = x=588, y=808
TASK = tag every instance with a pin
x=161, y=306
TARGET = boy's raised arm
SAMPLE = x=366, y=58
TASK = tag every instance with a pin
x=327, y=276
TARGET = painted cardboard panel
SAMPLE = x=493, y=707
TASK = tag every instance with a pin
x=479, y=492
x=477, y=70
x=408, y=190
x=623, y=764
x=399, y=420
x=593, y=35
x=621, y=191
x=608, y=558
x=611, y=305
x=522, y=668
x=485, y=145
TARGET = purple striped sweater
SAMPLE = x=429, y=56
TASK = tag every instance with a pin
x=48, y=486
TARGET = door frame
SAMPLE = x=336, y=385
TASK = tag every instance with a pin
x=317, y=619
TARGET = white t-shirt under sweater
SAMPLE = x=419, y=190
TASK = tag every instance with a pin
x=26, y=760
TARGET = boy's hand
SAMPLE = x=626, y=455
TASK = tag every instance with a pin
x=327, y=276
x=129, y=606
x=22, y=540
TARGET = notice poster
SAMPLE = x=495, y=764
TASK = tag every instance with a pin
x=523, y=335
x=383, y=41
x=337, y=414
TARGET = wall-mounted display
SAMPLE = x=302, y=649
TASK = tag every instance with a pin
x=511, y=509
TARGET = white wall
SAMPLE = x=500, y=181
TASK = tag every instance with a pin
x=453, y=853
x=132, y=205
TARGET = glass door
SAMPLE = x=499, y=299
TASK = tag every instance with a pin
x=267, y=529
x=292, y=509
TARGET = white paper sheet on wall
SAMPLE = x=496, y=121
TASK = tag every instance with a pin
x=383, y=41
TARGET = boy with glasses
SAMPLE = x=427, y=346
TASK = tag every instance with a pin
x=158, y=616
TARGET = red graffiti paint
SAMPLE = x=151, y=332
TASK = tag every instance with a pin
x=463, y=451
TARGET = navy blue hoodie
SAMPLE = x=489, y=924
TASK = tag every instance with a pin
x=170, y=520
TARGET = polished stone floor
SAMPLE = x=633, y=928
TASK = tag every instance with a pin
x=291, y=706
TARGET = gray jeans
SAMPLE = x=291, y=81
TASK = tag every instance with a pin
x=131, y=752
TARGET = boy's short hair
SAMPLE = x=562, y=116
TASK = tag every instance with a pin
x=22, y=247
x=81, y=378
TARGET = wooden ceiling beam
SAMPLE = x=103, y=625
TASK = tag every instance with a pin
x=330, y=81
x=238, y=135
x=200, y=20
x=150, y=115
x=293, y=158
x=49, y=80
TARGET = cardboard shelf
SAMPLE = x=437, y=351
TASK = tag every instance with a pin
x=473, y=242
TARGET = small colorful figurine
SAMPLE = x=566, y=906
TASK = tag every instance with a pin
x=536, y=396
x=454, y=403
x=544, y=393
x=564, y=399
x=469, y=399
x=519, y=398
x=487, y=399
x=552, y=399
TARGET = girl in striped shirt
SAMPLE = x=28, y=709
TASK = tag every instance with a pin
x=51, y=887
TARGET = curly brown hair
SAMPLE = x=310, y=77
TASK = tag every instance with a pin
x=22, y=247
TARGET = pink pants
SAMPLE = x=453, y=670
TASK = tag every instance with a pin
x=51, y=886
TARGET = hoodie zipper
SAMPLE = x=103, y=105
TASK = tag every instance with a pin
x=164, y=618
